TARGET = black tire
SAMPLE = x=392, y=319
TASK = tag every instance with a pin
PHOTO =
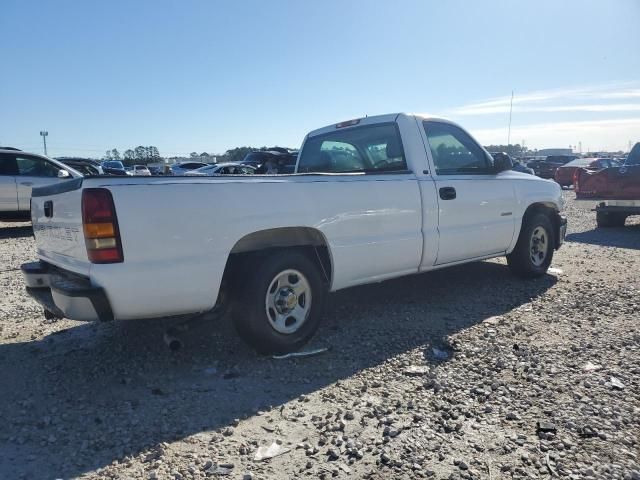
x=521, y=260
x=250, y=316
x=610, y=219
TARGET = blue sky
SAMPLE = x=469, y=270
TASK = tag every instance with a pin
x=210, y=75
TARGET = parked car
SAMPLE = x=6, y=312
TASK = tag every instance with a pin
x=519, y=167
x=564, y=173
x=516, y=166
x=548, y=167
x=229, y=168
x=85, y=166
x=20, y=172
x=277, y=161
x=184, y=167
x=140, y=170
x=371, y=206
x=156, y=171
x=114, y=167
x=287, y=164
x=617, y=190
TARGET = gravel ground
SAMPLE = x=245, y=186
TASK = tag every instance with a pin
x=462, y=373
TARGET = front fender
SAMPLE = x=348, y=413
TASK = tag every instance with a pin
x=537, y=193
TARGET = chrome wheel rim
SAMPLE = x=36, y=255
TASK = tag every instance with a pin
x=288, y=301
x=538, y=245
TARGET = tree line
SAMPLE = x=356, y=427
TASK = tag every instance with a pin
x=134, y=156
x=141, y=155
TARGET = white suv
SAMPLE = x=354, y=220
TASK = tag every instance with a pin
x=20, y=172
x=140, y=170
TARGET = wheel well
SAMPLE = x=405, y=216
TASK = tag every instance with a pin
x=256, y=245
x=548, y=209
x=540, y=207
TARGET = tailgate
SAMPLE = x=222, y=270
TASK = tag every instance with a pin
x=56, y=213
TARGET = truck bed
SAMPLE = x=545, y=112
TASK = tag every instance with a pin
x=615, y=183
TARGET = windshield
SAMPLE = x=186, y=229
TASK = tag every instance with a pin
x=580, y=162
x=256, y=157
x=560, y=158
x=634, y=155
x=114, y=164
x=206, y=168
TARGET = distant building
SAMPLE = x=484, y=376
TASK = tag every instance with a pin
x=554, y=151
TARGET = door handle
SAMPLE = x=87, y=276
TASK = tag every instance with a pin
x=447, y=193
x=48, y=209
x=26, y=184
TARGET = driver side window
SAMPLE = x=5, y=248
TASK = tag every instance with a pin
x=35, y=167
x=454, y=152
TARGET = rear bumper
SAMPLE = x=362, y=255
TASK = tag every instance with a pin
x=66, y=294
x=629, y=207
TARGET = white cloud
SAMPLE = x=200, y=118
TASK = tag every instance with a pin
x=599, y=107
x=625, y=93
x=611, y=134
x=555, y=100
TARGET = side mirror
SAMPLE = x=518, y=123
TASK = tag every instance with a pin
x=63, y=174
x=502, y=162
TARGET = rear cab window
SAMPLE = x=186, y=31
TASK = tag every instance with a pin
x=365, y=149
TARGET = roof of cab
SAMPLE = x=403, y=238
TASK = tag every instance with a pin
x=370, y=120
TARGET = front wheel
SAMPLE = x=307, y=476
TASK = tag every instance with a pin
x=534, y=251
x=280, y=305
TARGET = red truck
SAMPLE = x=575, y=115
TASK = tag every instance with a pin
x=617, y=190
x=565, y=174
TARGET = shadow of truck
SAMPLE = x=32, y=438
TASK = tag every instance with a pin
x=110, y=390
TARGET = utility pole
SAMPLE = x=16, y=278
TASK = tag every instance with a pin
x=510, y=111
x=43, y=134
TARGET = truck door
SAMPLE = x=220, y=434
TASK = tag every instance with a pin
x=475, y=205
x=8, y=190
x=33, y=172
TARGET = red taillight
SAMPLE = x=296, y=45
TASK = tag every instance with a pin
x=100, y=225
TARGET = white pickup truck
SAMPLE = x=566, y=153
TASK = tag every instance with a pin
x=372, y=199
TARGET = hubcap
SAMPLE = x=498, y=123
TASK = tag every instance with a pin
x=538, y=246
x=288, y=301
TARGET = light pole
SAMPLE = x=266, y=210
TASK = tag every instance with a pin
x=510, y=111
x=43, y=134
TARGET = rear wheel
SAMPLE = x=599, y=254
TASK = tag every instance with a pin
x=610, y=219
x=279, y=307
x=534, y=251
